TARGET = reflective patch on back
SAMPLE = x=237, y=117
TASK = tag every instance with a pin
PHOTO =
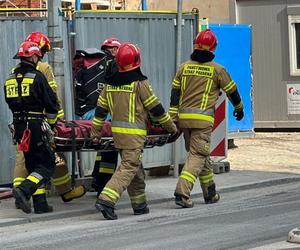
x=198, y=70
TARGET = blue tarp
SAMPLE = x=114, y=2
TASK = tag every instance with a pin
x=234, y=53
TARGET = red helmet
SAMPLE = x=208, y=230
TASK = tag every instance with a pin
x=28, y=49
x=41, y=39
x=206, y=40
x=128, y=57
x=110, y=42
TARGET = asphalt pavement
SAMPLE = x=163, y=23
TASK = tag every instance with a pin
x=158, y=189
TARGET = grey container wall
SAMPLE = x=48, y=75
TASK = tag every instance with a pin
x=13, y=32
x=270, y=50
x=155, y=34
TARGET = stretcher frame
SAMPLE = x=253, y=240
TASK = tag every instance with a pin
x=106, y=143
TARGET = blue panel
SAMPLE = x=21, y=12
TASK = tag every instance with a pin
x=234, y=53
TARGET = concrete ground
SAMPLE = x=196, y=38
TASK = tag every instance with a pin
x=267, y=159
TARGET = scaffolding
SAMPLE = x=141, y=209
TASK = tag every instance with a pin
x=30, y=8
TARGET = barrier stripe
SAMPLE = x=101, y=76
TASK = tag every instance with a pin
x=219, y=133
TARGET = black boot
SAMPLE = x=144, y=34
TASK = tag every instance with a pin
x=17, y=205
x=40, y=204
x=22, y=200
x=183, y=202
x=211, y=196
x=141, y=209
x=107, y=209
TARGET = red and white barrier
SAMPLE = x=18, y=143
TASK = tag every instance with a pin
x=218, y=147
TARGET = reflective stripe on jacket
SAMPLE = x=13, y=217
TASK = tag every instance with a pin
x=129, y=106
x=195, y=90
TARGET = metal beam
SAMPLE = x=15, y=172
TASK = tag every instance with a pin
x=176, y=145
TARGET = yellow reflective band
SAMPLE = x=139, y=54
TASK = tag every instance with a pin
x=11, y=82
x=51, y=121
x=61, y=180
x=111, y=193
x=27, y=80
x=52, y=84
x=106, y=170
x=229, y=86
x=206, y=94
x=183, y=86
x=131, y=131
x=110, y=103
x=188, y=176
x=131, y=111
x=33, y=179
x=175, y=109
x=149, y=101
x=176, y=84
x=196, y=117
x=17, y=183
x=40, y=191
x=102, y=102
x=141, y=198
x=207, y=178
x=60, y=114
x=186, y=173
x=19, y=179
x=97, y=122
x=166, y=117
x=189, y=179
x=98, y=158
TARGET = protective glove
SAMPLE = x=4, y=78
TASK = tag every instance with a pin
x=238, y=114
x=174, y=136
x=95, y=135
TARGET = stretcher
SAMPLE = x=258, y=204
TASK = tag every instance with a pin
x=75, y=136
x=5, y=193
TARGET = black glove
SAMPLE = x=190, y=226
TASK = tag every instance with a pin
x=238, y=114
x=174, y=136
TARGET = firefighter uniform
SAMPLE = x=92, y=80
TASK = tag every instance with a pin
x=61, y=177
x=128, y=105
x=128, y=100
x=106, y=162
x=195, y=90
x=28, y=95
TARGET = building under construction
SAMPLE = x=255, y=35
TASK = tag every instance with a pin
x=12, y=6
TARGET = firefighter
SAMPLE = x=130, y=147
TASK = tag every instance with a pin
x=129, y=100
x=110, y=47
x=61, y=177
x=28, y=96
x=195, y=90
x=106, y=162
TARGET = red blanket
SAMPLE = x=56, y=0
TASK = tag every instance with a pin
x=82, y=129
